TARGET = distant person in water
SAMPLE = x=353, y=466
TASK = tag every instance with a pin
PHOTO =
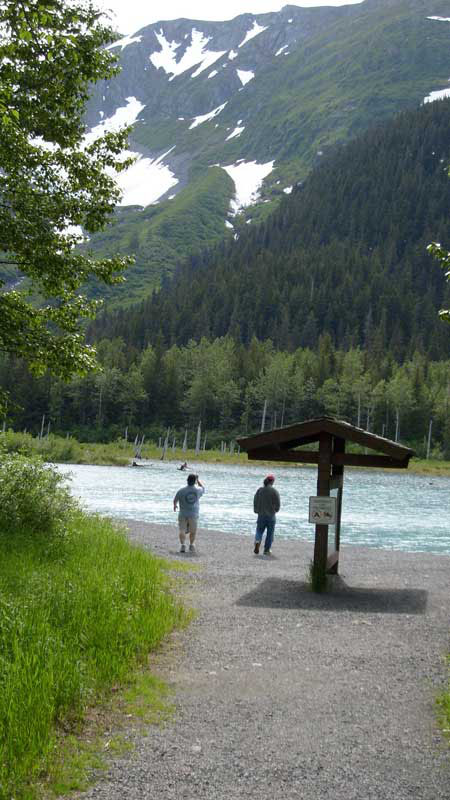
x=266, y=503
x=188, y=498
x=183, y=466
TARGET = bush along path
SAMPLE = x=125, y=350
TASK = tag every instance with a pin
x=80, y=607
x=282, y=693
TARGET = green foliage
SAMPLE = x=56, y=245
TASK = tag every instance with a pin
x=50, y=178
x=226, y=385
x=32, y=498
x=317, y=577
x=443, y=703
x=71, y=627
x=344, y=255
x=349, y=67
x=160, y=236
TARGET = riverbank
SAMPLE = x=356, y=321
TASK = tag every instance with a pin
x=61, y=450
x=282, y=694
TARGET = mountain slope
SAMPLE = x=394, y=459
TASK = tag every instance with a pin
x=345, y=254
x=263, y=96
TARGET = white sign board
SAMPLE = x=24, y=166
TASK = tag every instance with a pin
x=322, y=510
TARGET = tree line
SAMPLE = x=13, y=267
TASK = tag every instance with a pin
x=229, y=387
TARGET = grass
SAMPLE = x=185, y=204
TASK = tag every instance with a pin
x=443, y=704
x=77, y=616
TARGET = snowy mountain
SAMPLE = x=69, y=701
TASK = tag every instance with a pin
x=229, y=115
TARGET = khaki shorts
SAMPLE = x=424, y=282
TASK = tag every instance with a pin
x=188, y=524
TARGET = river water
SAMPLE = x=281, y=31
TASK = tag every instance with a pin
x=384, y=509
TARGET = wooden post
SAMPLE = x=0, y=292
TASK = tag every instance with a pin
x=323, y=490
x=337, y=482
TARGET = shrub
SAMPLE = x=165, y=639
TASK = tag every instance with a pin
x=33, y=498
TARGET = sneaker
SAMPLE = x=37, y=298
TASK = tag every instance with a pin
x=183, y=548
x=256, y=550
x=267, y=552
x=192, y=548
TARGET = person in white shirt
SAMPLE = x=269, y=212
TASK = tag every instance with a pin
x=188, y=499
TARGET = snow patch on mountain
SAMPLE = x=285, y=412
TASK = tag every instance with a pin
x=439, y=95
x=146, y=181
x=287, y=189
x=195, y=54
x=281, y=50
x=123, y=43
x=245, y=75
x=125, y=115
x=205, y=117
x=252, y=33
x=213, y=73
x=441, y=19
x=237, y=131
x=247, y=177
x=232, y=55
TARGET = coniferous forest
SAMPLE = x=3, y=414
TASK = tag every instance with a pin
x=329, y=306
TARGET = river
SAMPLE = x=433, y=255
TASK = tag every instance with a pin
x=384, y=509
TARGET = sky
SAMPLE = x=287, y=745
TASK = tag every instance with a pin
x=130, y=15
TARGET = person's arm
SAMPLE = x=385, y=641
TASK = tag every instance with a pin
x=175, y=502
x=255, y=503
x=199, y=483
x=277, y=503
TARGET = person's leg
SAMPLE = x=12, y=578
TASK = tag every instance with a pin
x=260, y=528
x=183, y=526
x=269, y=535
x=192, y=523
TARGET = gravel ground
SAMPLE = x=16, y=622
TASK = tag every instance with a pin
x=285, y=694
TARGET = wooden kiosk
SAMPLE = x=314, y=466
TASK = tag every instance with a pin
x=331, y=435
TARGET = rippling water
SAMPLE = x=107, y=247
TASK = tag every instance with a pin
x=380, y=508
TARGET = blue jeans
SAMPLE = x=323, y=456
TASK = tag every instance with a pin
x=265, y=523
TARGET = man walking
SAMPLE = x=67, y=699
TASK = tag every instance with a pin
x=266, y=503
x=188, y=497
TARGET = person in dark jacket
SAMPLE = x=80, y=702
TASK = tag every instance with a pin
x=266, y=503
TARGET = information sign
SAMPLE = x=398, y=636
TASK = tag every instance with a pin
x=322, y=510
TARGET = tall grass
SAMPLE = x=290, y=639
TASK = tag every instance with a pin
x=444, y=705
x=79, y=607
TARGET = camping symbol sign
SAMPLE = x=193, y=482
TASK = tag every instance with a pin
x=322, y=510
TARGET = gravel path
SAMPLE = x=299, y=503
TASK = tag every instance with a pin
x=285, y=694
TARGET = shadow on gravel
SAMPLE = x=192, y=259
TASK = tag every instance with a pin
x=279, y=593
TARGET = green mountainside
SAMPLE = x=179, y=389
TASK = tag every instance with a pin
x=345, y=255
x=341, y=70
x=162, y=235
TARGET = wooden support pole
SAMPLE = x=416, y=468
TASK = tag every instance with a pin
x=337, y=481
x=323, y=490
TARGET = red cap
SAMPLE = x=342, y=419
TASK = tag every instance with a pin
x=270, y=478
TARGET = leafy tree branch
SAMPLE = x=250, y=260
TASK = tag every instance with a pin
x=54, y=182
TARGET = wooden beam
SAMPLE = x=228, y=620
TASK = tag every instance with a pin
x=294, y=456
x=361, y=460
x=338, y=475
x=323, y=490
x=341, y=459
x=305, y=432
